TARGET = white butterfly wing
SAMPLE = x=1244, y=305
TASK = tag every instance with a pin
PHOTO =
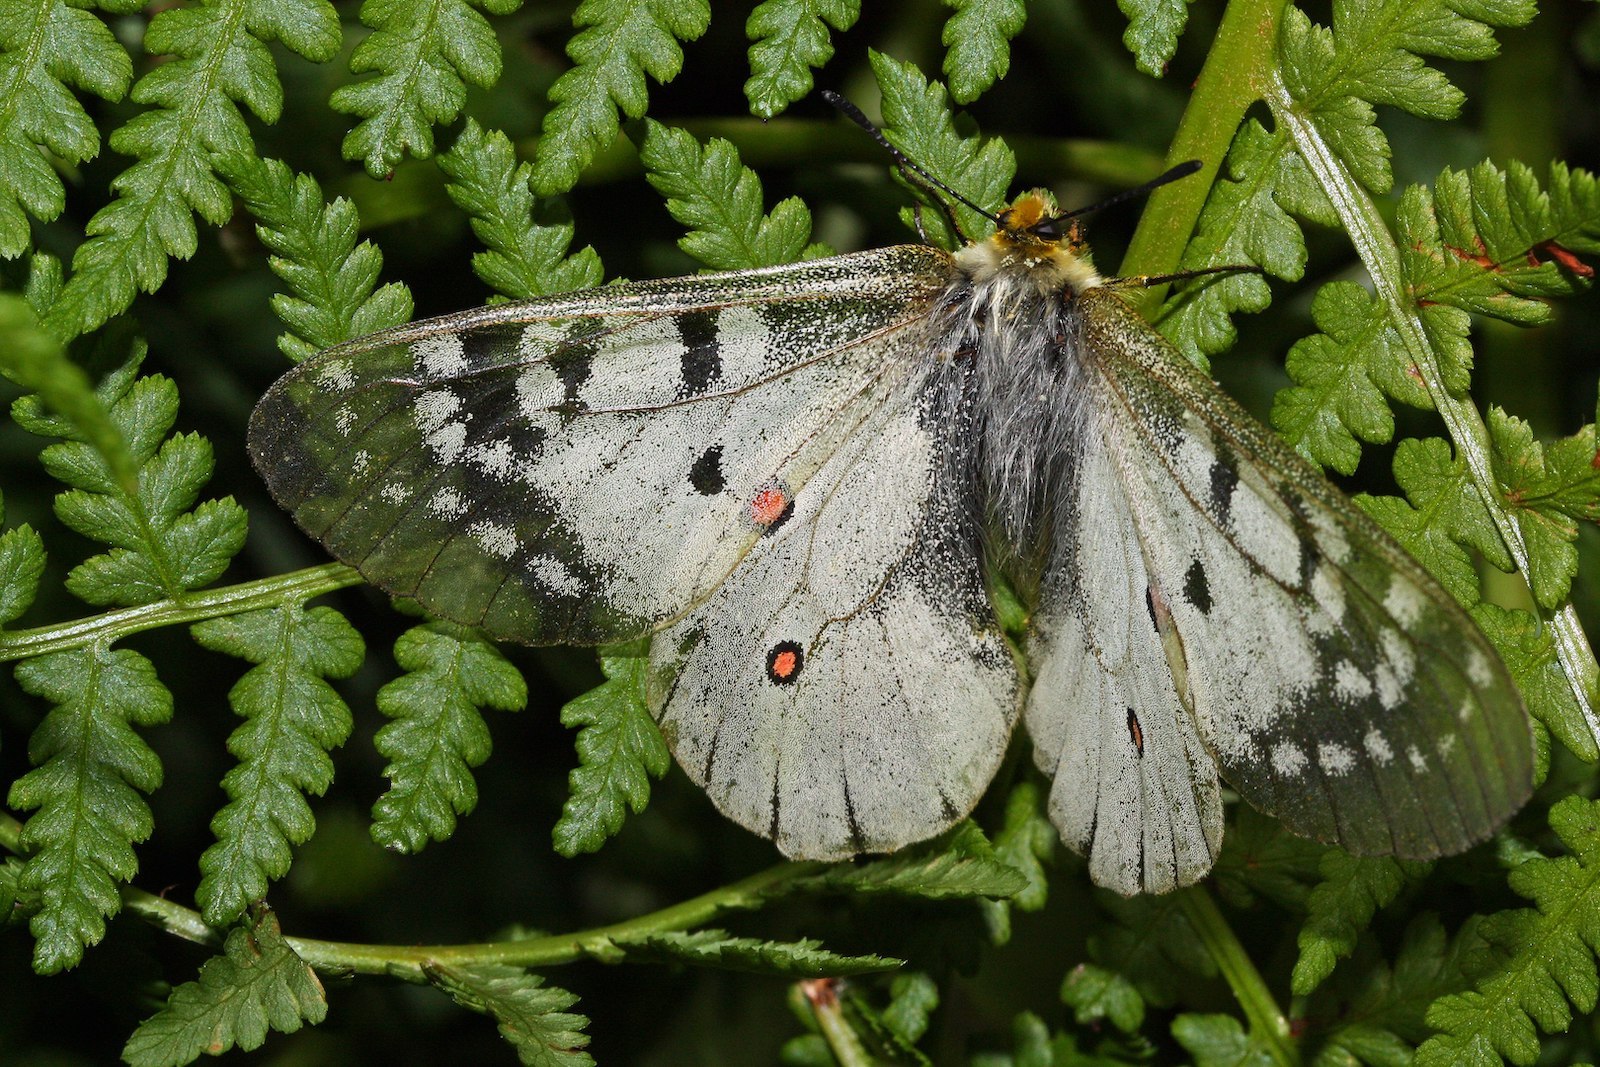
x=1336, y=684
x=585, y=468
x=847, y=689
x=1134, y=790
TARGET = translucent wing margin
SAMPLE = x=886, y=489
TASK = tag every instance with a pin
x=1336, y=683
x=586, y=468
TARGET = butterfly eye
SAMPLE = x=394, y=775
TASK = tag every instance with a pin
x=1048, y=229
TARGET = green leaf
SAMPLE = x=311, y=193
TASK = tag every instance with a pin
x=1151, y=943
x=1220, y=1041
x=89, y=769
x=292, y=719
x=978, y=37
x=526, y=258
x=1528, y=647
x=1154, y=27
x=331, y=298
x=912, y=1000
x=1343, y=376
x=437, y=735
x=1094, y=993
x=1550, y=955
x=960, y=864
x=1353, y=888
x=1025, y=842
x=1035, y=1046
x=46, y=51
x=1493, y=242
x=1382, y=1018
x=532, y=1016
x=917, y=121
x=1441, y=518
x=619, y=750
x=1246, y=220
x=1374, y=56
x=715, y=948
x=63, y=404
x=618, y=43
x=257, y=984
x=424, y=53
x=218, y=59
x=21, y=567
x=709, y=191
x=160, y=548
x=1547, y=492
x=791, y=37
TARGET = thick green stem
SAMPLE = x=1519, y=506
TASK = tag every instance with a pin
x=206, y=604
x=1232, y=79
x=1267, y=1021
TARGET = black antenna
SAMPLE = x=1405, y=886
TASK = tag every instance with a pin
x=853, y=113
x=1182, y=170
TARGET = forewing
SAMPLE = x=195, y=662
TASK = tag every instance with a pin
x=847, y=690
x=1338, y=685
x=586, y=468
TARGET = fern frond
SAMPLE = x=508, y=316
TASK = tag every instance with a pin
x=292, y=719
x=618, y=43
x=423, y=52
x=46, y=50
x=1551, y=948
x=217, y=60
x=436, y=734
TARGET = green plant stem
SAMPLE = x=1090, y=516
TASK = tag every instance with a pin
x=206, y=604
x=1236, y=69
x=826, y=1009
x=602, y=943
x=1266, y=1019
x=1376, y=247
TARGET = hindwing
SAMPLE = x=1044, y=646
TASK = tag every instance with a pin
x=847, y=689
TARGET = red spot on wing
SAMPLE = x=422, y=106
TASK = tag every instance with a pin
x=768, y=504
x=770, y=507
x=784, y=664
x=784, y=661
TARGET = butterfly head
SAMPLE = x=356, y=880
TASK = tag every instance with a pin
x=1033, y=241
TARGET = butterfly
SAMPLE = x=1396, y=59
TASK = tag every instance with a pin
x=796, y=479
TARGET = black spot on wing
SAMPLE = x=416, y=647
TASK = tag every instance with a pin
x=1135, y=733
x=702, y=354
x=1224, y=480
x=573, y=364
x=1150, y=606
x=1196, y=589
x=706, y=473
